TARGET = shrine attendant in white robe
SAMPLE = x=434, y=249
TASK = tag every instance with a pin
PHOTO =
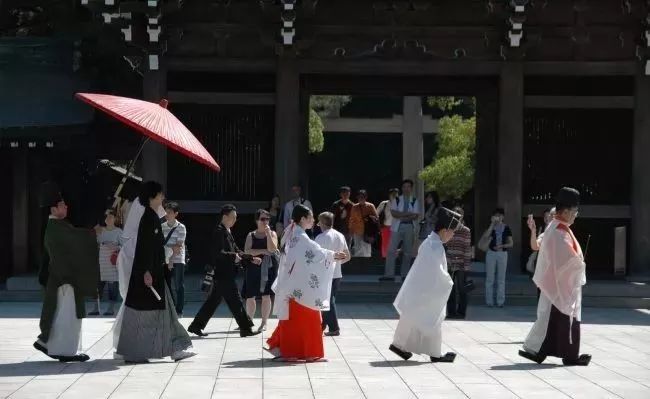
x=560, y=275
x=302, y=290
x=422, y=300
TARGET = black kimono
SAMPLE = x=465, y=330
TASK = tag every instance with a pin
x=150, y=328
x=149, y=257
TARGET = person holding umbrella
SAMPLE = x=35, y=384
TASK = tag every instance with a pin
x=150, y=328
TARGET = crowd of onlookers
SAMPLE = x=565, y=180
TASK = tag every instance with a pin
x=393, y=229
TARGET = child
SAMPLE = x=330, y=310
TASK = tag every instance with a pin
x=109, y=239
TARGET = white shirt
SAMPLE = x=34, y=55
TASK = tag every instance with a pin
x=288, y=209
x=397, y=204
x=388, y=217
x=178, y=236
x=334, y=241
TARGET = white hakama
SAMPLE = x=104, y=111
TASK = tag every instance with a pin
x=409, y=337
x=65, y=333
x=422, y=301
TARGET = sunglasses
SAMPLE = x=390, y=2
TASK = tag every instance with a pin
x=264, y=219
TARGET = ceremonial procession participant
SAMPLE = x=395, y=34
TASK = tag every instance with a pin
x=560, y=275
x=150, y=328
x=302, y=291
x=226, y=261
x=69, y=276
x=125, y=258
x=333, y=240
x=422, y=299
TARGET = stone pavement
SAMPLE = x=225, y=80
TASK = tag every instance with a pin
x=359, y=363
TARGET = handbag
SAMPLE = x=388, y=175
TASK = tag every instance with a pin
x=484, y=242
x=113, y=258
x=532, y=262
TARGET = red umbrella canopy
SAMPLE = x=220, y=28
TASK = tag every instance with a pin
x=154, y=121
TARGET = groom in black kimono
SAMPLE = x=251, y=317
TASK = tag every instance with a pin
x=226, y=260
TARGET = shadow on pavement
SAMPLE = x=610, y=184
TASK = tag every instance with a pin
x=53, y=367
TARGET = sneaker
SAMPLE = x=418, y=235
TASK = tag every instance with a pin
x=180, y=355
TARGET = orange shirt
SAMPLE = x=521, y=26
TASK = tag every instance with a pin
x=358, y=215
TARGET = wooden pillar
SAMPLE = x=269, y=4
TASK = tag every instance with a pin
x=20, y=211
x=485, y=191
x=510, y=154
x=412, y=143
x=640, y=224
x=288, y=144
x=154, y=155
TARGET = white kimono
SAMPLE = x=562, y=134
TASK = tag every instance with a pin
x=422, y=301
x=305, y=274
x=560, y=275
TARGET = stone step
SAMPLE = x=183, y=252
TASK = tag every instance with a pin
x=366, y=288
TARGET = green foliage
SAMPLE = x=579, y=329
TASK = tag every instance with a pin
x=328, y=106
x=316, y=138
x=322, y=107
x=444, y=103
x=452, y=172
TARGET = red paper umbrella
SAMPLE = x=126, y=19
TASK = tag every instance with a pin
x=154, y=121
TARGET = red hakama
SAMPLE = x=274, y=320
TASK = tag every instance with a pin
x=385, y=240
x=301, y=336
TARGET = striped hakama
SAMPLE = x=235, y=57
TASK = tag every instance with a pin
x=151, y=334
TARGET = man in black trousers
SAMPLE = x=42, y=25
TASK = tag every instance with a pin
x=226, y=258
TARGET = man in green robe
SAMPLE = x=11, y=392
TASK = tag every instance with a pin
x=69, y=276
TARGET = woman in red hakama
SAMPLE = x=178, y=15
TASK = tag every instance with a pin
x=302, y=291
x=301, y=336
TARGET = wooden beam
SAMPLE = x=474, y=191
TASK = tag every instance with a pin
x=584, y=102
x=217, y=64
x=399, y=67
x=577, y=68
x=193, y=97
x=376, y=125
x=20, y=211
x=510, y=141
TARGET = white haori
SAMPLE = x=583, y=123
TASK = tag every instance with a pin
x=65, y=333
x=561, y=271
x=305, y=274
x=422, y=300
x=560, y=274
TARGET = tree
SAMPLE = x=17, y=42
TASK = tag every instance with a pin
x=316, y=138
x=322, y=107
x=451, y=173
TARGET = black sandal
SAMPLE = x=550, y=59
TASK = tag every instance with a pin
x=449, y=357
x=534, y=358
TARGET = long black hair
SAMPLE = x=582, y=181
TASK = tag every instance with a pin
x=299, y=211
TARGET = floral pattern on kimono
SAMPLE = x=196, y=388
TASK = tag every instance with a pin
x=305, y=275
